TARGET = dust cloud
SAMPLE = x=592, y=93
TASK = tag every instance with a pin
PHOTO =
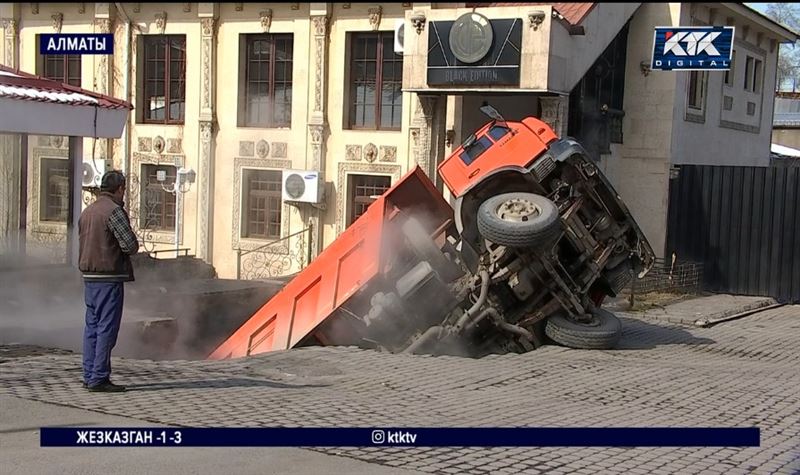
x=43, y=305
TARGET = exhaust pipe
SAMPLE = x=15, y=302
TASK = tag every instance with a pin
x=484, y=274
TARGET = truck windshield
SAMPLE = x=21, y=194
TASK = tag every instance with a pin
x=497, y=132
x=472, y=153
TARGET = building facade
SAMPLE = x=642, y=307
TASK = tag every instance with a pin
x=238, y=92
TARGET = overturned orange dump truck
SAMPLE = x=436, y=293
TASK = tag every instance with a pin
x=536, y=239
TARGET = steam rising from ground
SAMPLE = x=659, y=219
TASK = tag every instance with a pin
x=45, y=306
x=167, y=314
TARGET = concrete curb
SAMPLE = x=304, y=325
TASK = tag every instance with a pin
x=709, y=308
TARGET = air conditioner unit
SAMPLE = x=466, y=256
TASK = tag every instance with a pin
x=399, y=36
x=93, y=171
x=302, y=186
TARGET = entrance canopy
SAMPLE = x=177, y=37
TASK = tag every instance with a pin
x=33, y=105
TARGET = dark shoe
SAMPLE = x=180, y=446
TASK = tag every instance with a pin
x=86, y=386
x=107, y=387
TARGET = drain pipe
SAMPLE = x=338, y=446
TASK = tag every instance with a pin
x=126, y=79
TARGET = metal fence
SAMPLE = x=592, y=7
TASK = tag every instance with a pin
x=669, y=276
x=278, y=258
x=743, y=224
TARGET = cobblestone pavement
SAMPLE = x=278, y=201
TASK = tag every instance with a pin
x=740, y=373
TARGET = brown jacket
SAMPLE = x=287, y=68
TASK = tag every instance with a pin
x=106, y=241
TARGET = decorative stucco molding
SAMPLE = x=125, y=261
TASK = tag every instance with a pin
x=58, y=21
x=262, y=148
x=10, y=28
x=352, y=152
x=246, y=148
x=388, y=154
x=266, y=19
x=421, y=130
x=554, y=113
x=370, y=152
x=145, y=144
x=161, y=22
x=320, y=34
x=206, y=191
x=279, y=150
x=375, y=14
x=316, y=132
x=175, y=146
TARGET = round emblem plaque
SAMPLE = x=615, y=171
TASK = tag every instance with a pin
x=471, y=37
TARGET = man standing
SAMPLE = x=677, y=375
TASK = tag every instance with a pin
x=106, y=243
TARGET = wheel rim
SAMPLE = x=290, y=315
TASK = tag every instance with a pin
x=517, y=210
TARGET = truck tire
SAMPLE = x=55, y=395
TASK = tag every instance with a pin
x=519, y=220
x=602, y=333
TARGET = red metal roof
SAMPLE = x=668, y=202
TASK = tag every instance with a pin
x=574, y=13
x=15, y=84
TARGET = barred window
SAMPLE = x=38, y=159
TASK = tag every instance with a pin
x=262, y=204
x=54, y=193
x=265, y=97
x=376, y=80
x=164, y=76
x=362, y=191
x=157, y=205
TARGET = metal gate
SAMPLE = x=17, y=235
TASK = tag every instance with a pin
x=743, y=224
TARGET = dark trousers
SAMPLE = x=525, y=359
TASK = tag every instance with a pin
x=103, y=315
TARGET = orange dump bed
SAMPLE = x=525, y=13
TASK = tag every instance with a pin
x=307, y=306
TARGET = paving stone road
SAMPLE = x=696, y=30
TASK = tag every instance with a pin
x=739, y=373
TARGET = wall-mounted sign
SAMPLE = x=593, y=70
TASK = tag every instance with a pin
x=474, y=51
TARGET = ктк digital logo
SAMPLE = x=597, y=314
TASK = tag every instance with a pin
x=690, y=48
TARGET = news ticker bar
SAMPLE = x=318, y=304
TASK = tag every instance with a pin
x=76, y=43
x=400, y=437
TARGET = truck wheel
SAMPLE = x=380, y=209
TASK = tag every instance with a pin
x=602, y=332
x=519, y=220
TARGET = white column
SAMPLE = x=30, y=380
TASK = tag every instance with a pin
x=205, y=209
x=317, y=124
